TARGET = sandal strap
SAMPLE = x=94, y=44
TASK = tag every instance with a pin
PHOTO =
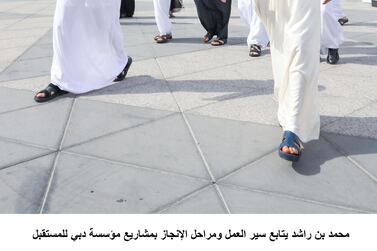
x=290, y=139
x=52, y=88
x=255, y=48
x=218, y=42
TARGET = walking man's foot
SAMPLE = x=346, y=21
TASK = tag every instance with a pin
x=50, y=92
x=291, y=147
x=343, y=20
x=160, y=39
x=255, y=50
x=333, y=56
x=218, y=42
x=207, y=38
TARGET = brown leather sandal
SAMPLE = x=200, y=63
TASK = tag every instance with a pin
x=255, y=50
x=218, y=42
x=207, y=37
x=162, y=38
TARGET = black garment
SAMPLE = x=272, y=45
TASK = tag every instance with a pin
x=127, y=8
x=175, y=5
x=214, y=15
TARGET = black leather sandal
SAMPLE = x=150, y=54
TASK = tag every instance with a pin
x=255, y=50
x=50, y=92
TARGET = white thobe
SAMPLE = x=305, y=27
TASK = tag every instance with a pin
x=87, y=45
x=258, y=33
x=338, y=11
x=162, y=16
x=332, y=35
x=294, y=30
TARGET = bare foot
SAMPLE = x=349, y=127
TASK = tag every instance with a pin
x=290, y=150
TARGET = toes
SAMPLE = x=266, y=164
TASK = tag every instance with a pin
x=293, y=150
x=290, y=150
x=286, y=149
x=40, y=95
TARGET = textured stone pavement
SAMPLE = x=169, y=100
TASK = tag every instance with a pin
x=192, y=130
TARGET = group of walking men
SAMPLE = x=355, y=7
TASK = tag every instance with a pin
x=214, y=15
x=89, y=53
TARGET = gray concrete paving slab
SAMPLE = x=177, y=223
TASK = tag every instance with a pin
x=165, y=144
x=8, y=97
x=206, y=201
x=31, y=84
x=362, y=122
x=83, y=185
x=27, y=69
x=246, y=201
x=23, y=186
x=12, y=153
x=229, y=145
x=248, y=107
x=92, y=119
x=29, y=125
x=323, y=174
x=155, y=94
x=193, y=94
x=362, y=150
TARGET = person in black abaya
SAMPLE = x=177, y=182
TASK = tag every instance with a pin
x=214, y=15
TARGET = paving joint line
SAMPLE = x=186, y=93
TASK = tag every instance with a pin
x=25, y=143
x=350, y=159
x=296, y=198
x=29, y=15
x=27, y=160
x=118, y=131
x=198, y=148
x=350, y=113
x=26, y=50
x=182, y=199
x=54, y=165
x=248, y=164
x=18, y=109
x=134, y=165
x=19, y=79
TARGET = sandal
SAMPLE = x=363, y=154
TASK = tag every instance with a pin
x=255, y=50
x=163, y=38
x=218, y=42
x=50, y=92
x=293, y=141
x=343, y=20
x=207, y=37
x=123, y=74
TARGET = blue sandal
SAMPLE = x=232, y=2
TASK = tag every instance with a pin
x=291, y=140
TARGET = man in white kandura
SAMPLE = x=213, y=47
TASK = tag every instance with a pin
x=294, y=29
x=88, y=48
x=258, y=37
x=162, y=16
x=331, y=31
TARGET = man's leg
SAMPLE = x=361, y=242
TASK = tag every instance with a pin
x=331, y=32
x=294, y=31
x=206, y=16
x=164, y=25
x=223, y=17
x=258, y=37
x=86, y=57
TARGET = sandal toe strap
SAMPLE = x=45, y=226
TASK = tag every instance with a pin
x=291, y=140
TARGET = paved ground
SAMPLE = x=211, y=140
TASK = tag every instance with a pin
x=192, y=130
